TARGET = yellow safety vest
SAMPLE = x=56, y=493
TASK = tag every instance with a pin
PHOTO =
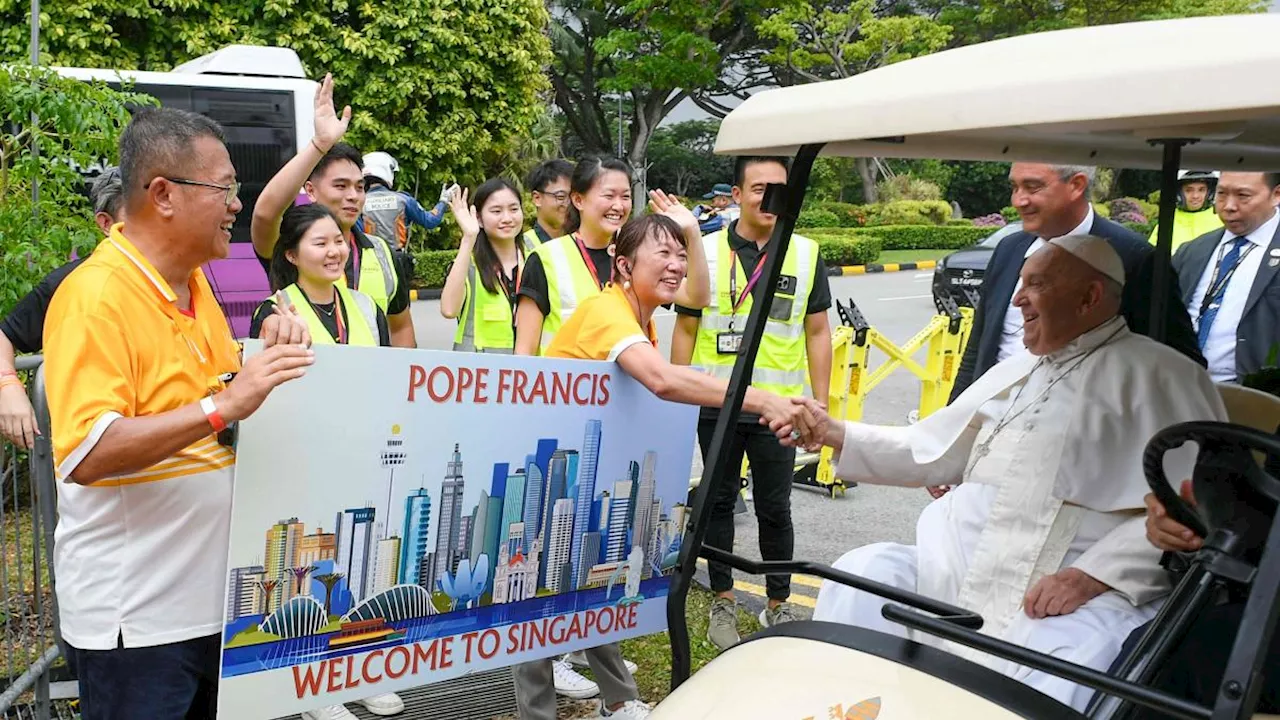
x=781, y=363
x=487, y=323
x=569, y=282
x=362, y=316
x=1188, y=226
x=378, y=277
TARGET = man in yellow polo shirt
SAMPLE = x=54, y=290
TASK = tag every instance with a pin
x=138, y=359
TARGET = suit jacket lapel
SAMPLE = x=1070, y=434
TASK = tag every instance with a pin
x=1198, y=260
x=1006, y=283
x=1266, y=273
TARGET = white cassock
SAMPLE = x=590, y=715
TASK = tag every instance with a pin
x=1050, y=453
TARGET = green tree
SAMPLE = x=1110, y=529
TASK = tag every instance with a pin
x=812, y=42
x=653, y=54
x=682, y=158
x=78, y=126
x=448, y=88
x=981, y=20
x=981, y=188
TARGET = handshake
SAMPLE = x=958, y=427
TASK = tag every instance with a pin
x=798, y=422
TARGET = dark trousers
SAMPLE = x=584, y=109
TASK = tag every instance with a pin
x=178, y=681
x=1194, y=671
x=772, y=472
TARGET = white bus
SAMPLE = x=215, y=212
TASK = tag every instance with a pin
x=263, y=99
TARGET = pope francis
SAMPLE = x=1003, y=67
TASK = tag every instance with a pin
x=1043, y=534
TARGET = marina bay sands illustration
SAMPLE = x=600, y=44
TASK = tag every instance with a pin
x=553, y=531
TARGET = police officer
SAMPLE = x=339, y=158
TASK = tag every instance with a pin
x=388, y=212
x=481, y=288
x=797, y=338
x=1195, y=214
x=331, y=174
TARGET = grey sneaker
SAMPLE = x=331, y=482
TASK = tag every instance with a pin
x=722, y=631
x=784, y=612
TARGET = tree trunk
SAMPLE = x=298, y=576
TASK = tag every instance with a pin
x=637, y=155
x=868, y=172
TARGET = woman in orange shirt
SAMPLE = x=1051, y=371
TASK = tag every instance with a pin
x=649, y=263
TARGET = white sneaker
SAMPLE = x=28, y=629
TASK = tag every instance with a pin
x=632, y=710
x=385, y=704
x=333, y=712
x=579, y=660
x=570, y=684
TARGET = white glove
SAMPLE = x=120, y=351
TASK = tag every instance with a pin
x=447, y=192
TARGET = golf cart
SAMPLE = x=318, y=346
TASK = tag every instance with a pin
x=1114, y=95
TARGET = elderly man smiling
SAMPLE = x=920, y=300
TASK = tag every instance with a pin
x=1044, y=535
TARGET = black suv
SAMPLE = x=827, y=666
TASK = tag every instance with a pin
x=963, y=269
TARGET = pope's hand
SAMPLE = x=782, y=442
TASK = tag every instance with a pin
x=1166, y=533
x=937, y=491
x=1062, y=593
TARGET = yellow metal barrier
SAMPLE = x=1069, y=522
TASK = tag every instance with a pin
x=852, y=377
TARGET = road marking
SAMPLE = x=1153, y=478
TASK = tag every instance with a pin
x=904, y=297
x=762, y=592
x=923, y=276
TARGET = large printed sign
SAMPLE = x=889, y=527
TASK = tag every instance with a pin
x=405, y=517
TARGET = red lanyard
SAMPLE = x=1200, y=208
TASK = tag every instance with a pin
x=733, y=280
x=337, y=317
x=355, y=262
x=586, y=258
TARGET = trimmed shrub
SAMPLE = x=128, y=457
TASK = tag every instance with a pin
x=817, y=218
x=994, y=220
x=908, y=187
x=848, y=250
x=849, y=215
x=960, y=222
x=1010, y=213
x=1102, y=210
x=1142, y=228
x=914, y=212
x=1127, y=210
x=431, y=267
x=925, y=237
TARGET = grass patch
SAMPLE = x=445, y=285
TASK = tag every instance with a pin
x=905, y=256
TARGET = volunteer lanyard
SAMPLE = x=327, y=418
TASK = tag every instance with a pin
x=739, y=299
x=1218, y=285
x=510, y=286
x=341, y=337
x=355, y=262
x=586, y=258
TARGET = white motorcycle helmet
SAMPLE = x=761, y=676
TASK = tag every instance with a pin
x=382, y=166
x=1204, y=176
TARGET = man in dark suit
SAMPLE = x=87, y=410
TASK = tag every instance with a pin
x=1053, y=201
x=1230, y=277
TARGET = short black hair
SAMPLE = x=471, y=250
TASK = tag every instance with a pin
x=157, y=142
x=547, y=172
x=340, y=151
x=1272, y=179
x=743, y=162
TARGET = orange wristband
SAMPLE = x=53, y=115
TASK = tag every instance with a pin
x=7, y=380
x=214, y=417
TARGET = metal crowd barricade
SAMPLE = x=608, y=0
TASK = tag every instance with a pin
x=31, y=650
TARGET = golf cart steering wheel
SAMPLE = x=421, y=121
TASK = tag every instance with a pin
x=1226, y=479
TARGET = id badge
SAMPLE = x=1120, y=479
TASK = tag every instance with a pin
x=729, y=343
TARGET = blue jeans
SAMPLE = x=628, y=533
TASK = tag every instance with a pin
x=165, y=682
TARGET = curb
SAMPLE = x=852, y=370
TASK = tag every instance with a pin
x=876, y=268
x=424, y=294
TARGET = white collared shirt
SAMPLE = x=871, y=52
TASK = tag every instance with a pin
x=1220, y=348
x=1011, y=334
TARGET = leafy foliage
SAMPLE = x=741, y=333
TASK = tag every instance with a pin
x=682, y=158
x=981, y=188
x=78, y=125
x=908, y=187
x=450, y=89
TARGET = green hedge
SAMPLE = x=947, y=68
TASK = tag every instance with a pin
x=912, y=212
x=817, y=218
x=431, y=267
x=838, y=251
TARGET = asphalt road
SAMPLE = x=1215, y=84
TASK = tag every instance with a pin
x=898, y=305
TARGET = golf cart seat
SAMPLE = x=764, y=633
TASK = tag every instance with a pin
x=806, y=669
x=1249, y=407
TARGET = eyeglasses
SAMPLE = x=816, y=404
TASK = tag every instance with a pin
x=561, y=198
x=231, y=190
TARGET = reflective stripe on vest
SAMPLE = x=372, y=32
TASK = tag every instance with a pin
x=569, y=282
x=781, y=364
x=378, y=277
x=495, y=333
x=362, y=316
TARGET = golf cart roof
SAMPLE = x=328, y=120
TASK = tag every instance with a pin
x=1094, y=96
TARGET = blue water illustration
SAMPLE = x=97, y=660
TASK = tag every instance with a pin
x=313, y=648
